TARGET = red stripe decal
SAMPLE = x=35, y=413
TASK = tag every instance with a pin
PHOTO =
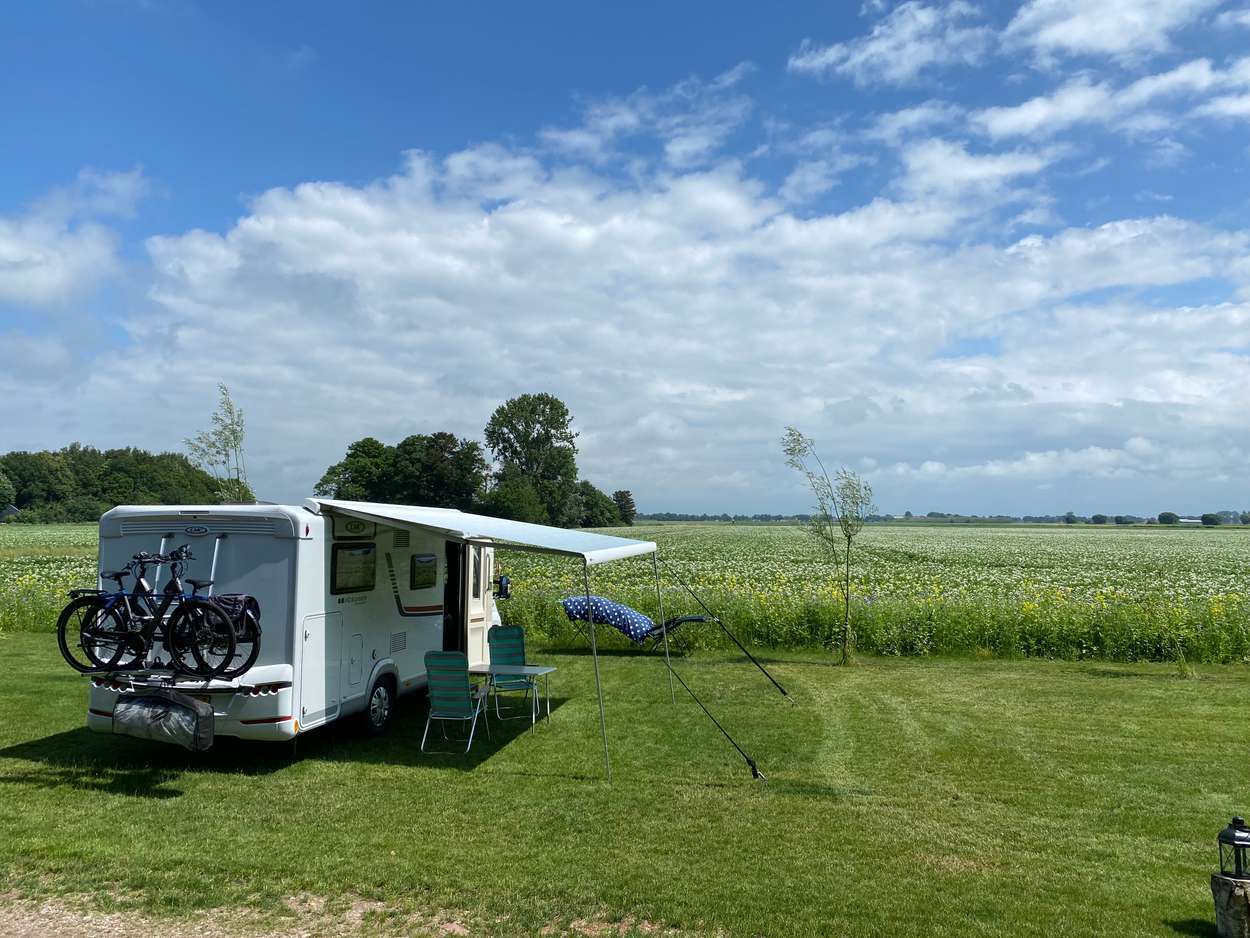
x=265, y=720
x=428, y=610
x=99, y=713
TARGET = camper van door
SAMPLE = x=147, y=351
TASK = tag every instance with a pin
x=453, y=598
x=319, y=670
x=475, y=602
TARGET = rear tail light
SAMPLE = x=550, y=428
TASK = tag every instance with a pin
x=263, y=690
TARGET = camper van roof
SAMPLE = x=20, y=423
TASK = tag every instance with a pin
x=593, y=548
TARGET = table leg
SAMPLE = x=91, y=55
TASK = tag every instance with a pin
x=547, y=690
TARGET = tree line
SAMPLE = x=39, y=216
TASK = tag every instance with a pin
x=531, y=473
x=79, y=483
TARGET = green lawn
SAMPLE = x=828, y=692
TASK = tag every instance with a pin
x=912, y=796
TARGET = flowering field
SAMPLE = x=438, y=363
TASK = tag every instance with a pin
x=1141, y=593
x=38, y=563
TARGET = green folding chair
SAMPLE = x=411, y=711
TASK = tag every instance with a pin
x=507, y=646
x=452, y=696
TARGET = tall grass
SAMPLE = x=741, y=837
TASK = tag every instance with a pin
x=1117, y=596
x=38, y=565
x=1211, y=631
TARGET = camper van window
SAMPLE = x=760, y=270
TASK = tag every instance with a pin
x=352, y=568
x=422, y=571
x=477, y=573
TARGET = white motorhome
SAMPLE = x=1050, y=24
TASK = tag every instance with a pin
x=352, y=595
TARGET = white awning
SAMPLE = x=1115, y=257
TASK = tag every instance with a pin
x=461, y=526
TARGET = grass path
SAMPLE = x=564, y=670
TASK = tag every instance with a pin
x=937, y=797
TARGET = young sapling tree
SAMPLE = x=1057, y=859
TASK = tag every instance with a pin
x=843, y=502
x=219, y=450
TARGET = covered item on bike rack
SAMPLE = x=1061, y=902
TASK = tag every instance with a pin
x=166, y=716
x=242, y=609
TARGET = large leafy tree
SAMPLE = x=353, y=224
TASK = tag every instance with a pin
x=363, y=475
x=531, y=437
x=598, y=510
x=436, y=469
x=625, y=507
x=40, y=478
x=513, y=496
x=440, y=470
x=8, y=491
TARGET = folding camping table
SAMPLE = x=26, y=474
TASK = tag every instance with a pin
x=520, y=670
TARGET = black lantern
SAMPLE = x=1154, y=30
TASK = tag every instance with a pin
x=1234, y=843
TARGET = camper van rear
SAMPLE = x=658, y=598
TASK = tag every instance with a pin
x=348, y=609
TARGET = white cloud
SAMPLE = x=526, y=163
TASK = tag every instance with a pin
x=401, y=291
x=1124, y=29
x=1077, y=101
x=914, y=37
x=1082, y=101
x=1231, y=19
x=692, y=120
x=896, y=126
x=811, y=178
x=1096, y=461
x=686, y=312
x=57, y=250
x=1167, y=152
x=945, y=167
x=1226, y=106
x=808, y=179
x=31, y=357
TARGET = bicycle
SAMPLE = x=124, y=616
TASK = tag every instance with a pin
x=116, y=631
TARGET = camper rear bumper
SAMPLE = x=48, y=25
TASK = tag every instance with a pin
x=266, y=716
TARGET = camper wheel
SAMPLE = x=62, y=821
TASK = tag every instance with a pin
x=380, y=706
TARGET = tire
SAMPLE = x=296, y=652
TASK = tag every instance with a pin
x=200, y=639
x=92, y=636
x=246, y=651
x=379, y=706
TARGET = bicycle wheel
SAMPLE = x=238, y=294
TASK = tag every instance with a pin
x=200, y=639
x=246, y=650
x=92, y=636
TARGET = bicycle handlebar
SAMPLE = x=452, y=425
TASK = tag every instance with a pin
x=143, y=558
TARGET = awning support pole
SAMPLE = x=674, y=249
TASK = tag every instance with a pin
x=594, y=651
x=659, y=601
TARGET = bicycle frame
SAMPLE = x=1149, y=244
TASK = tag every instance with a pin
x=141, y=604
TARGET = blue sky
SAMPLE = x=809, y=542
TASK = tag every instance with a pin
x=994, y=256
